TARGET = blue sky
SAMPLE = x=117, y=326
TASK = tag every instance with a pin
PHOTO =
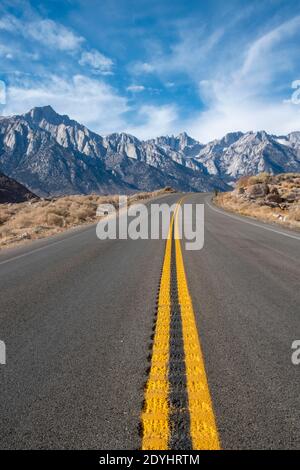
x=155, y=67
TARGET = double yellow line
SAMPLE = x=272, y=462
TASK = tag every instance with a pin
x=156, y=413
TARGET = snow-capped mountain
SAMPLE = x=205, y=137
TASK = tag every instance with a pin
x=239, y=154
x=47, y=165
x=52, y=154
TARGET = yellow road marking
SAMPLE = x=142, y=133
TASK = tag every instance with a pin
x=155, y=416
x=203, y=427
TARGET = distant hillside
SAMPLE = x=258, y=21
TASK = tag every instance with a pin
x=12, y=191
x=23, y=221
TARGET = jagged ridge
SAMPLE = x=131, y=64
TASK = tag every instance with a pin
x=52, y=154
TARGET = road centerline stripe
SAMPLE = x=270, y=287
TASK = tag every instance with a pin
x=179, y=409
x=203, y=427
x=177, y=412
x=155, y=415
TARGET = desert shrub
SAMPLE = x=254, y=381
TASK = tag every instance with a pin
x=43, y=203
x=288, y=176
x=80, y=214
x=22, y=221
x=261, y=178
x=297, y=182
x=54, y=219
x=294, y=214
x=138, y=197
x=4, y=232
x=90, y=210
x=70, y=220
x=61, y=210
x=3, y=218
x=45, y=216
x=243, y=182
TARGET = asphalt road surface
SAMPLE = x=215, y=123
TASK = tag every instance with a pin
x=76, y=315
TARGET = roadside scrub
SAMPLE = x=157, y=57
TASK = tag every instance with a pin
x=40, y=218
x=270, y=198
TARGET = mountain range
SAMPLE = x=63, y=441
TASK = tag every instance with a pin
x=53, y=155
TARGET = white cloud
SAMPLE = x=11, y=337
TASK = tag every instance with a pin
x=155, y=121
x=186, y=56
x=89, y=101
x=54, y=35
x=6, y=52
x=235, y=88
x=44, y=31
x=2, y=93
x=238, y=90
x=243, y=100
x=93, y=103
x=142, y=67
x=238, y=105
x=135, y=88
x=9, y=23
x=97, y=61
x=223, y=117
x=257, y=52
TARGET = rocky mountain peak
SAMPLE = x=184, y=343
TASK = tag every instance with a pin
x=231, y=137
x=185, y=140
x=46, y=113
x=181, y=143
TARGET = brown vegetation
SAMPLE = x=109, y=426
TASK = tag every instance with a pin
x=271, y=198
x=41, y=218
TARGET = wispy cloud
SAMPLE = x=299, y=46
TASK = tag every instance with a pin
x=187, y=54
x=258, y=50
x=135, y=88
x=10, y=23
x=6, y=51
x=154, y=121
x=244, y=100
x=45, y=31
x=52, y=37
x=207, y=69
x=223, y=117
x=87, y=100
x=142, y=67
x=93, y=103
x=98, y=62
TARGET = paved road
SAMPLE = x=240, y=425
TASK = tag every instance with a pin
x=77, y=314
